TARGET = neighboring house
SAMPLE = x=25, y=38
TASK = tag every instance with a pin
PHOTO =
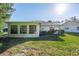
x=29, y=29
x=46, y=26
x=71, y=25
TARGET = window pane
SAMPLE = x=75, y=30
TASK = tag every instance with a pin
x=66, y=28
x=32, y=29
x=14, y=29
x=23, y=29
x=77, y=28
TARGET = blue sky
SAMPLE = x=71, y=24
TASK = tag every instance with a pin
x=42, y=11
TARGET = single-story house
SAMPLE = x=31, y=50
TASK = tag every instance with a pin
x=29, y=29
x=23, y=29
x=71, y=25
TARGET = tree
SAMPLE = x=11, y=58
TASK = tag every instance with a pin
x=6, y=10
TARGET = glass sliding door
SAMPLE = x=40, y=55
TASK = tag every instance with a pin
x=23, y=29
x=14, y=29
x=32, y=29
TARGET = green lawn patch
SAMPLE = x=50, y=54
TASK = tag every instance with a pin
x=65, y=45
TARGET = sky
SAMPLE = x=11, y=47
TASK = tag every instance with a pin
x=44, y=11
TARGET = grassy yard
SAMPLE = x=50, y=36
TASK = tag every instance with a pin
x=65, y=45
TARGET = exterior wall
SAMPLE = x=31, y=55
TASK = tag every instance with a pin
x=72, y=27
x=23, y=35
x=45, y=28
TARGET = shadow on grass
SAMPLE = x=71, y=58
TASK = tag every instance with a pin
x=10, y=42
x=73, y=34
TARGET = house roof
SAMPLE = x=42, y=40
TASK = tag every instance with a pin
x=40, y=22
x=76, y=21
x=50, y=23
x=21, y=22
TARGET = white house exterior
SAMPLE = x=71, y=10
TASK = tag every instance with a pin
x=71, y=25
x=46, y=26
x=23, y=29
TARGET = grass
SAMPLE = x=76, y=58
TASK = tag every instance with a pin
x=1, y=33
x=66, y=45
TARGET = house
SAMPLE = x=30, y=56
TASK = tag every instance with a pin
x=23, y=29
x=71, y=25
x=29, y=29
x=46, y=26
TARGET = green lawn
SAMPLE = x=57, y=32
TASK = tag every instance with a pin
x=1, y=33
x=65, y=45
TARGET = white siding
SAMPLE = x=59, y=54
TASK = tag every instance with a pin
x=71, y=25
x=45, y=28
x=72, y=29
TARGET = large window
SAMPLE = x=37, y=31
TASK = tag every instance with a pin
x=32, y=29
x=23, y=29
x=14, y=29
